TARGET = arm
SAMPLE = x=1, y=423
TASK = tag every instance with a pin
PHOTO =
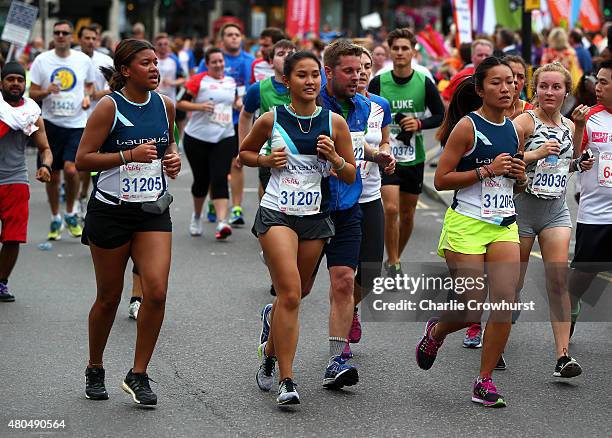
x=245, y=124
x=186, y=104
x=339, y=150
x=435, y=105
x=40, y=140
x=38, y=93
x=459, y=141
x=172, y=160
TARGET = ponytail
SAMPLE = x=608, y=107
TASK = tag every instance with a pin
x=115, y=80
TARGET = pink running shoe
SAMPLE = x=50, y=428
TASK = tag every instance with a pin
x=485, y=393
x=355, y=333
x=473, y=336
x=347, y=353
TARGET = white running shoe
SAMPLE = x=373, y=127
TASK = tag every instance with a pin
x=133, y=309
x=195, y=227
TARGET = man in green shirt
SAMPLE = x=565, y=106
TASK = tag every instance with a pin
x=410, y=94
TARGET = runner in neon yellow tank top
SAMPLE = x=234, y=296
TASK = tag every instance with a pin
x=410, y=94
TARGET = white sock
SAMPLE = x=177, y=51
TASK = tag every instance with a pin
x=56, y=217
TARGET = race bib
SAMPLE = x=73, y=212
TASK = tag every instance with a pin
x=299, y=194
x=497, y=197
x=141, y=182
x=550, y=178
x=403, y=153
x=64, y=104
x=222, y=114
x=358, y=139
x=605, y=169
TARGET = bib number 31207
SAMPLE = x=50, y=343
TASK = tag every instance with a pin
x=300, y=195
x=497, y=197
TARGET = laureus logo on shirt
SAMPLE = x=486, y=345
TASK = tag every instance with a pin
x=64, y=78
x=136, y=142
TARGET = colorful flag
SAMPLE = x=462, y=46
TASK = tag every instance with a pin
x=303, y=17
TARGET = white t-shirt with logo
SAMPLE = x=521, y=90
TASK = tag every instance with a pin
x=99, y=60
x=70, y=74
x=211, y=127
x=596, y=192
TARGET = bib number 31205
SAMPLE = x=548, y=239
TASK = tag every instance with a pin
x=141, y=182
x=497, y=197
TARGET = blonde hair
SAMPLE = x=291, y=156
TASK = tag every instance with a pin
x=557, y=39
x=556, y=67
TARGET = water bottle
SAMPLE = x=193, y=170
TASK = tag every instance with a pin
x=45, y=246
x=552, y=159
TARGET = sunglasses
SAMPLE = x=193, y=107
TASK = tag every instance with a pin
x=61, y=33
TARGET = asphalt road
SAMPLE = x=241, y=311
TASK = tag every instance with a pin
x=206, y=357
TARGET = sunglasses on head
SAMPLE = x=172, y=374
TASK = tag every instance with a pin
x=61, y=32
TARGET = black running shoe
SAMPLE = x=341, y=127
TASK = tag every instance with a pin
x=94, y=384
x=137, y=385
x=287, y=393
x=272, y=290
x=567, y=367
x=501, y=363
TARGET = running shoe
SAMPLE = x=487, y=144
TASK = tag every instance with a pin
x=137, y=385
x=347, y=353
x=236, y=217
x=501, y=363
x=133, y=309
x=473, y=336
x=5, y=295
x=211, y=213
x=272, y=290
x=72, y=221
x=339, y=374
x=567, y=367
x=485, y=393
x=287, y=393
x=55, y=230
x=265, y=323
x=393, y=270
x=265, y=374
x=195, y=226
x=427, y=348
x=223, y=230
x=355, y=333
x=94, y=384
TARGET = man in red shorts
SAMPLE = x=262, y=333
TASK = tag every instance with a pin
x=20, y=121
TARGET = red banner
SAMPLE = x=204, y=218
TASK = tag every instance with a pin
x=590, y=16
x=302, y=17
x=559, y=12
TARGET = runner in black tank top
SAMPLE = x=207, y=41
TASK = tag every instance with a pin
x=117, y=227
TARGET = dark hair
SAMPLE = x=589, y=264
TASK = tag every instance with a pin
x=211, y=51
x=507, y=37
x=124, y=55
x=607, y=63
x=481, y=71
x=516, y=59
x=61, y=22
x=89, y=28
x=282, y=44
x=464, y=100
x=339, y=48
x=576, y=35
x=403, y=32
x=294, y=58
x=465, y=52
x=226, y=25
x=274, y=33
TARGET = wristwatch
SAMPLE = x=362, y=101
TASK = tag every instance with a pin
x=46, y=166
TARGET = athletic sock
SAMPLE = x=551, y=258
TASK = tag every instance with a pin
x=336, y=345
x=56, y=217
x=139, y=299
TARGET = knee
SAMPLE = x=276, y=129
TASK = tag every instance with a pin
x=407, y=215
x=198, y=191
x=108, y=302
x=391, y=209
x=155, y=294
x=289, y=300
x=70, y=170
x=343, y=285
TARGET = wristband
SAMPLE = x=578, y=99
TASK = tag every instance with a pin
x=338, y=169
x=122, y=157
x=257, y=161
x=46, y=166
x=489, y=171
x=521, y=183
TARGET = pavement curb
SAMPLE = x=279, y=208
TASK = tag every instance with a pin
x=429, y=189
